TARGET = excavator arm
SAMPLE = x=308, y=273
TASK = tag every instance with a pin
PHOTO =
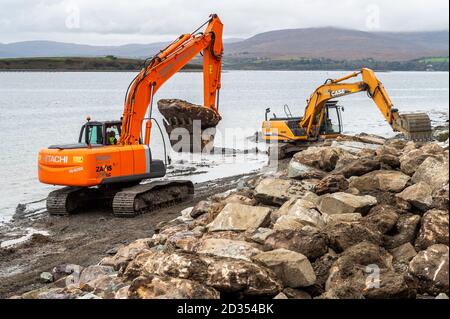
x=162, y=67
x=414, y=126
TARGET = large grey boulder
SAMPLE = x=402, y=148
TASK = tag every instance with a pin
x=323, y=158
x=433, y=171
x=292, y=268
x=95, y=271
x=126, y=253
x=288, y=222
x=303, y=210
x=260, y=235
x=411, y=160
x=222, y=247
x=383, y=180
x=418, y=195
x=341, y=203
x=273, y=191
x=300, y=171
x=239, y=217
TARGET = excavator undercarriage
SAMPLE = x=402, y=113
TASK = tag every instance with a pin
x=124, y=200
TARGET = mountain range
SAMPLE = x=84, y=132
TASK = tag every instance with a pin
x=330, y=43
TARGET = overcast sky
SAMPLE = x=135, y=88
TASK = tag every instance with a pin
x=145, y=21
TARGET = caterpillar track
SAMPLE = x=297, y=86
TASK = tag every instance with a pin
x=67, y=200
x=150, y=197
x=124, y=202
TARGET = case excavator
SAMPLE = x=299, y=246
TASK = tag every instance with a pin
x=293, y=134
x=112, y=158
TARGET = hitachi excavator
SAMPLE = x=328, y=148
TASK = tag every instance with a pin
x=111, y=158
x=294, y=133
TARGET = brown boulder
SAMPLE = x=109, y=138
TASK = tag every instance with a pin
x=343, y=235
x=342, y=203
x=309, y=242
x=404, y=253
x=440, y=198
x=383, y=180
x=157, y=287
x=292, y=268
x=206, y=206
x=366, y=270
x=405, y=231
x=127, y=253
x=239, y=217
x=382, y=218
x=433, y=230
x=357, y=167
x=410, y=161
x=418, y=195
x=223, y=274
x=301, y=171
x=331, y=184
x=301, y=209
x=389, y=160
x=433, y=171
x=429, y=270
x=276, y=192
x=324, y=158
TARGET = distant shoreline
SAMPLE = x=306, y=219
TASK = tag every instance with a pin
x=114, y=64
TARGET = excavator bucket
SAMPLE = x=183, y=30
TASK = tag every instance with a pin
x=416, y=126
x=191, y=128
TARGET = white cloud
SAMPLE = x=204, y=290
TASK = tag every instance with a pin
x=122, y=21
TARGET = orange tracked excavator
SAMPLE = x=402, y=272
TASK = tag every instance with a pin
x=111, y=158
x=296, y=133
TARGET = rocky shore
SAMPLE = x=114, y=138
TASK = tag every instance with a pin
x=358, y=217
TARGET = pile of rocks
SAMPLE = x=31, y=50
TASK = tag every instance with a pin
x=349, y=220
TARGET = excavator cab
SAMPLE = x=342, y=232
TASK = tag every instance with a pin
x=332, y=123
x=100, y=133
x=287, y=129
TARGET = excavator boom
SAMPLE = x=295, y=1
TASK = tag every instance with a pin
x=163, y=66
x=413, y=126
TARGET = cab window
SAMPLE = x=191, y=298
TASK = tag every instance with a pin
x=94, y=133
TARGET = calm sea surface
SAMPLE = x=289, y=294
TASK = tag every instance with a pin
x=39, y=109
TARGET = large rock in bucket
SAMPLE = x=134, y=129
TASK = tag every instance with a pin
x=191, y=128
